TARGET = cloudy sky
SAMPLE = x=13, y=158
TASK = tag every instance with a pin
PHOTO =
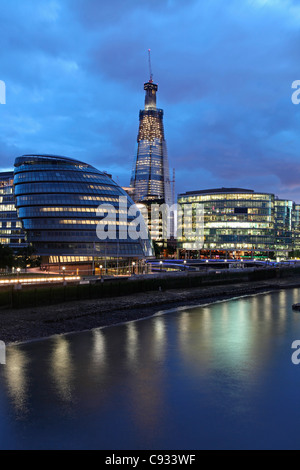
x=74, y=73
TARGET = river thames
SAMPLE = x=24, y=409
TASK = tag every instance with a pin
x=211, y=377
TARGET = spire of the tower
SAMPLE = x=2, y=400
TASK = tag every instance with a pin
x=150, y=88
x=150, y=66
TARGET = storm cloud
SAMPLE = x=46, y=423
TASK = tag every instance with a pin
x=74, y=73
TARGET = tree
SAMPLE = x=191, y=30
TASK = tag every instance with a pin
x=25, y=257
x=157, y=250
x=6, y=257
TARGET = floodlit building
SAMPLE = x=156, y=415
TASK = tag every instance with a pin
x=57, y=199
x=240, y=223
x=11, y=232
x=150, y=179
x=151, y=175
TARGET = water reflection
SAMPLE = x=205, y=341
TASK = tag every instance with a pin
x=62, y=368
x=99, y=353
x=234, y=335
x=159, y=336
x=132, y=343
x=142, y=381
x=16, y=375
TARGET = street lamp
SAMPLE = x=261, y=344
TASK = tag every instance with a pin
x=161, y=263
x=184, y=264
x=18, y=273
x=133, y=267
x=64, y=269
x=101, y=267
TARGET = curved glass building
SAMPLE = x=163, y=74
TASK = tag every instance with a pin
x=57, y=199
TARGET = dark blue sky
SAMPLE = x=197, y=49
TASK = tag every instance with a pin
x=74, y=72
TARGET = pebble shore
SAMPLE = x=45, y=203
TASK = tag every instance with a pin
x=34, y=323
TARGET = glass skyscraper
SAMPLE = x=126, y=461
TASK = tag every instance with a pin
x=151, y=176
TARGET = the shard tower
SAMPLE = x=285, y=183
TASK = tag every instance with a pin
x=151, y=176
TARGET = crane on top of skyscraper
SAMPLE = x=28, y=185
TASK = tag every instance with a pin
x=150, y=66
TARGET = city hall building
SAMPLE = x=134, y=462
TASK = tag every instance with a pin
x=54, y=201
x=239, y=223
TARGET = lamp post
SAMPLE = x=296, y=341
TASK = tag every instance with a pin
x=184, y=264
x=18, y=273
x=64, y=272
x=133, y=267
x=161, y=264
x=101, y=267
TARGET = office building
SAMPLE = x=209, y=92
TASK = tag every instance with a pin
x=151, y=175
x=57, y=199
x=240, y=223
x=11, y=232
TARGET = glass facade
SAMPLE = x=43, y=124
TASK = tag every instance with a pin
x=11, y=232
x=296, y=228
x=57, y=199
x=151, y=175
x=239, y=220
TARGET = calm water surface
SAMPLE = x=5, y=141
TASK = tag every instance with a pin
x=209, y=377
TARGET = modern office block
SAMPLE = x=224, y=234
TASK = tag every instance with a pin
x=11, y=232
x=241, y=222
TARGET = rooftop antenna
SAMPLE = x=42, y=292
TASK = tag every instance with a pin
x=150, y=67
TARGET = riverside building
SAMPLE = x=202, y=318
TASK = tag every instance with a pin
x=11, y=232
x=241, y=223
x=57, y=199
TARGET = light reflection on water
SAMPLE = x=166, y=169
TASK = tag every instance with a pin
x=217, y=376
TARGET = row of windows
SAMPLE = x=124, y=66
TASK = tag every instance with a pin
x=143, y=176
x=12, y=241
x=8, y=215
x=10, y=224
x=53, y=235
x=63, y=167
x=103, y=248
x=59, y=177
x=26, y=212
x=7, y=199
x=7, y=208
x=56, y=223
x=12, y=233
x=8, y=190
x=222, y=205
x=43, y=199
x=237, y=210
x=63, y=188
